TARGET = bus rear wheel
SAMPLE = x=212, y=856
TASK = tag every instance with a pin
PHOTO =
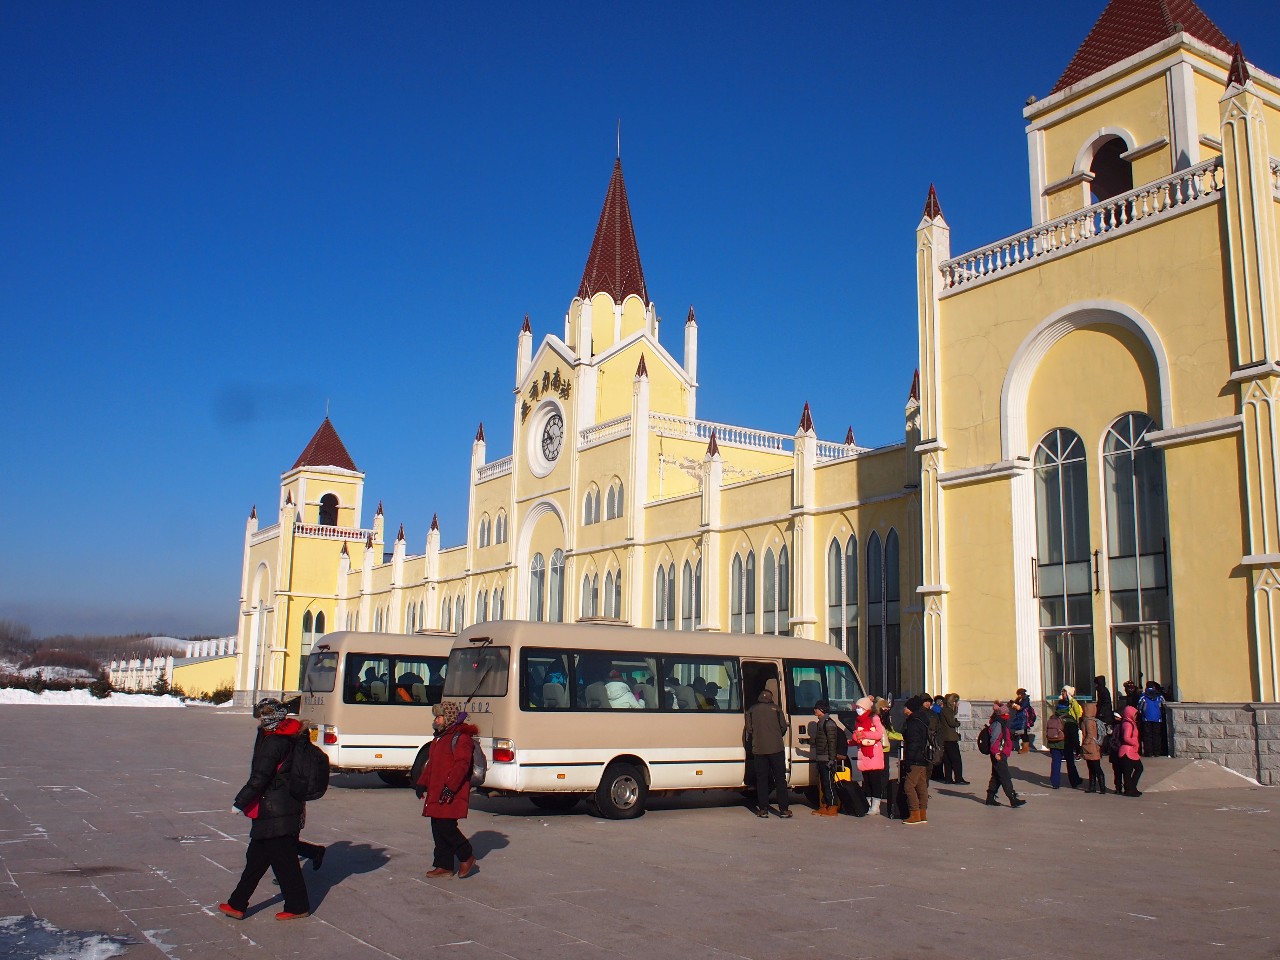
x=622, y=792
x=394, y=778
x=556, y=802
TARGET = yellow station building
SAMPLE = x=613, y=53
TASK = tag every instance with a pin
x=1087, y=483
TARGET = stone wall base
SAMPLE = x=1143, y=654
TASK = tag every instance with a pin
x=1244, y=737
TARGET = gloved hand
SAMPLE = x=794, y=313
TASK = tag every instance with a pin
x=446, y=795
x=420, y=791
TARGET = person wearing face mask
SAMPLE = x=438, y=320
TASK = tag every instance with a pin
x=869, y=737
x=1001, y=748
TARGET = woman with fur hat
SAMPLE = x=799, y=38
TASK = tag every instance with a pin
x=277, y=817
x=445, y=782
x=1091, y=748
x=870, y=738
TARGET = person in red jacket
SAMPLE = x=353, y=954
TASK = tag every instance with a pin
x=445, y=782
x=1130, y=761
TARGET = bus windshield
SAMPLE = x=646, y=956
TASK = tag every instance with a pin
x=479, y=672
x=322, y=670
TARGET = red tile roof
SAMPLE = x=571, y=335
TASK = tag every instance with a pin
x=326, y=450
x=613, y=266
x=1129, y=26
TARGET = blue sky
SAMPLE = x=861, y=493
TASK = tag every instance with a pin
x=218, y=217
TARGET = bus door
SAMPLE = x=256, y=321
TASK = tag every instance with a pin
x=758, y=676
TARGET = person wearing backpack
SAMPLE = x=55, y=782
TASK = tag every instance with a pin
x=445, y=782
x=1060, y=749
x=1022, y=721
x=1091, y=732
x=1151, y=710
x=917, y=759
x=999, y=741
x=277, y=816
x=829, y=745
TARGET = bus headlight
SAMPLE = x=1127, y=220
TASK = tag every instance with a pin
x=504, y=751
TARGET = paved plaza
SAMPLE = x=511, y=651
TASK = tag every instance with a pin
x=117, y=823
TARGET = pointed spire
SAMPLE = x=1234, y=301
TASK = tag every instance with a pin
x=400, y=535
x=692, y=319
x=480, y=433
x=613, y=265
x=932, y=209
x=1238, y=75
x=806, y=419
x=848, y=437
x=1127, y=27
x=524, y=327
x=325, y=449
x=435, y=522
x=253, y=514
x=379, y=513
x=713, y=449
x=641, y=369
x=288, y=499
x=915, y=387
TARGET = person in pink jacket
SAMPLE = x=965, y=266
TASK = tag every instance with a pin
x=868, y=736
x=1130, y=759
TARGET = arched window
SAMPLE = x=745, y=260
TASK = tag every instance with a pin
x=617, y=595
x=735, y=594
x=446, y=614
x=660, y=598
x=697, y=594
x=501, y=533
x=459, y=607
x=320, y=631
x=892, y=653
x=586, y=596
x=537, y=580
x=556, y=593
x=377, y=620
x=482, y=532
x=499, y=596
x=1063, y=581
x=686, y=597
x=609, y=609
x=777, y=592
x=1112, y=173
x=595, y=594
x=328, y=510
x=591, y=506
x=835, y=598
x=422, y=614
x=875, y=616
x=749, y=590
x=308, y=637
x=481, y=609
x=409, y=613
x=1137, y=552
x=613, y=501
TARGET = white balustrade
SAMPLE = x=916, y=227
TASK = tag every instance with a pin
x=331, y=533
x=490, y=471
x=1185, y=188
x=727, y=434
x=837, y=451
x=266, y=533
x=603, y=432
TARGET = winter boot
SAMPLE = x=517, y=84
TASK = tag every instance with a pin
x=820, y=811
x=1091, y=788
x=1102, y=787
x=833, y=810
x=1026, y=746
x=924, y=815
x=875, y=808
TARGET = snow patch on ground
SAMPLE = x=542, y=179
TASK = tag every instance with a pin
x=50, y=673
x=83, y=698
x=30, y=938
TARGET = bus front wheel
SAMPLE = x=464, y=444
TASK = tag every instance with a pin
x=622, y=792
x=555, y=802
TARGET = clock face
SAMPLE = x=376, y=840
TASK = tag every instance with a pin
x=552, y=436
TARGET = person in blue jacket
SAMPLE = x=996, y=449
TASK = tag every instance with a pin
x=1151, y=710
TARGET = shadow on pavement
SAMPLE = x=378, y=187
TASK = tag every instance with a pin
x=487, y=841
x=342, y=860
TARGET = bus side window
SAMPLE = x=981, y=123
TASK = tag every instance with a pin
x=805, y=680
x=701, y=683
x=546, y=680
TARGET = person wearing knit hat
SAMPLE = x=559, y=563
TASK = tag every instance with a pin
x=1071, y=748
x=868, y=739
x=916, y=762
x=1001, y=748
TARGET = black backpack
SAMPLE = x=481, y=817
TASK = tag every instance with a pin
x=932, y=748
x=984, y=740
x=308, y=771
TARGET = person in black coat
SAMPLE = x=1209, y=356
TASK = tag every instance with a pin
x=277, y=816
x=916, y=763
x=1102, y=697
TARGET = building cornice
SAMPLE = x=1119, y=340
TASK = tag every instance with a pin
x=1191, y=432
x=987, y=471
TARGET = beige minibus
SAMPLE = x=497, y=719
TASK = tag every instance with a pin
x=368, y=697
x=612, y=713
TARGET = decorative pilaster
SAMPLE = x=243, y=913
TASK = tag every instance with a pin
x=431, y=573
x=342, y=588
x=803, y=502
x=1251, y=237
x=524, y=351
x=712, y=479
x=691, y=362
